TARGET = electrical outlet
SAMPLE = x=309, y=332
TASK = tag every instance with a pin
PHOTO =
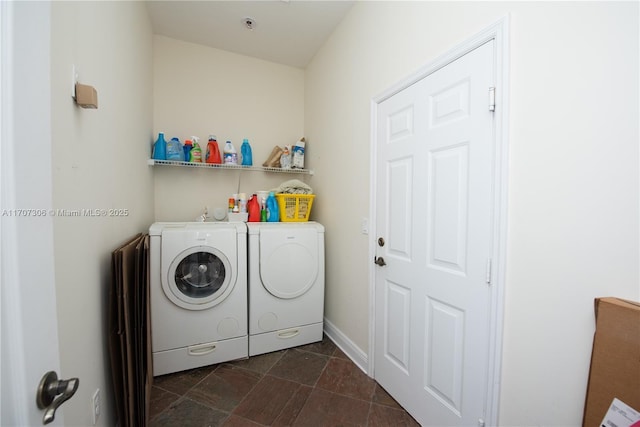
x=95, y=406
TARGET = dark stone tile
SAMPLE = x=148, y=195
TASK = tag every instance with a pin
x=236, y=421
x=267, y=400
x=276, y=389
x=261, y=363
x=181, y=382
x=385, y=416
x=328, y=409
x=299, y=366
x=293, y=408
x=160, y=400
x=326, y=347
x=381, y=397
x=224, y=388
x=340, y=354
x=345, y=378
x=187, y=413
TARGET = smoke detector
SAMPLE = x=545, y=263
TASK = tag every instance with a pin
x=249, y=23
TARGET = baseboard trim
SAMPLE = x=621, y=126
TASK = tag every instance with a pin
x=347, y=346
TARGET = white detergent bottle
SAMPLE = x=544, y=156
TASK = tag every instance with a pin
x=230, y=154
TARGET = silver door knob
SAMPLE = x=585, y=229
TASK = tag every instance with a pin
x=50, y=387
x=379, y=261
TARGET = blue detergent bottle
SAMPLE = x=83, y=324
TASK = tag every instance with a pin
x=174, y=150
x=245, y=150
x=160, y=148
x=273, y=213
x=186, y=148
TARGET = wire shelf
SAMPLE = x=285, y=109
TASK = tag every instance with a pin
x=153, y=162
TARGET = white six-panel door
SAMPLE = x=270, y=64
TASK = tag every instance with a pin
x=434, y=212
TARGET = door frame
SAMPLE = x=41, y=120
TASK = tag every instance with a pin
x=29, y=339
x=499, y=32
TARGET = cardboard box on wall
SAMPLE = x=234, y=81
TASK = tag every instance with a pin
x=615, y=360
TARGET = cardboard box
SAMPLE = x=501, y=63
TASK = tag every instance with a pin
x=621, y=415
x=615, y=360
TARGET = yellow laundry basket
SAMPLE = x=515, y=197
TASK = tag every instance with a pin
x=294, y=207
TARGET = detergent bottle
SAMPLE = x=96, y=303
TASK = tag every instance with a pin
x=174, y=150
x=196, y=151
x=160, y=148
x=213, y=151
x=253, y=206
x=187, y=150
x=273, y=214
x=230, y=154
x=245, y=150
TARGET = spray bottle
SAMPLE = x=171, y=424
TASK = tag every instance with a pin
x=196, y=151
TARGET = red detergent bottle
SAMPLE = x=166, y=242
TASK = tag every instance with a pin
x=213, y=151
x=253, y=207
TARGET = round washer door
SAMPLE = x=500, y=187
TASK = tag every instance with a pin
x=288, y=270
x=199, y=278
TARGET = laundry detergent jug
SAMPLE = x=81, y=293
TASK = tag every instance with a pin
x=273, y=213
x=174, y=150
x=160, y=148
x=253, y=206
x=245, y=150
x=188, y=145
x=213, y=151
x=230, y=154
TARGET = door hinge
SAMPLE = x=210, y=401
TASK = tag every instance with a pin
x=492, y=99
x=488, y=272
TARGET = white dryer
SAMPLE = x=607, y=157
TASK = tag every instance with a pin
x=286, y=285
x=198, y=291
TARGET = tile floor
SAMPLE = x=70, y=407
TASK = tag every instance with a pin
x=312, y=385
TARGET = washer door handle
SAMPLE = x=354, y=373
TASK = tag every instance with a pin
x=201, y=349
x=288, y=333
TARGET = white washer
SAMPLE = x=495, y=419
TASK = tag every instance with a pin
x=286, y=285
x=198, y=290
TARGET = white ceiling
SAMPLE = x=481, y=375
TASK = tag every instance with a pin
x=285, y=32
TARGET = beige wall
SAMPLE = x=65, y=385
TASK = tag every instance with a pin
x=200, y=91
x=99, y=162
x=573, y=199
x=573, y=206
